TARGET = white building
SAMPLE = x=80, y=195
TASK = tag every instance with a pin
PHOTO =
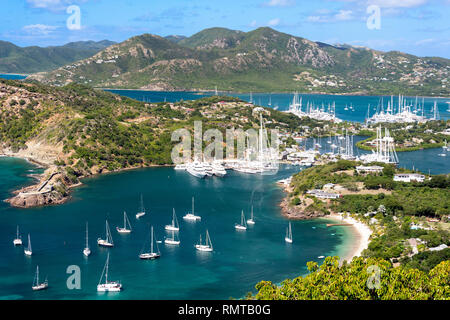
x=408, y=177
x=369, y=169
x=323, y=195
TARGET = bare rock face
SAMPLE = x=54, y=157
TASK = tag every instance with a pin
x=36, y=200
x=297, y=212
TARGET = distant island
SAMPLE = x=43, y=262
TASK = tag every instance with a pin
x=262, y=60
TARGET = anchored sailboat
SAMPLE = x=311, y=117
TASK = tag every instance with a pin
x=108, y=286
x=28, y=251
x=173, y=240
x=126, y=223
x=152, y=255
x=288, y=237
x=191, y=216
x=39, y=286
x=174, y=226
x=87, y=251
x=108, y=242
x=207, y=246
x=243, y=224
x=141, y=212
x=18, y=240
x=251, y=220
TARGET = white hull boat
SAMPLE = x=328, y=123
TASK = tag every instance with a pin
x=108, y=242
x=36, y=285
x=126, y=223
x=191, y=216
x=108, y=286
x=174, y=226
x=243, y=225
x=18, y=240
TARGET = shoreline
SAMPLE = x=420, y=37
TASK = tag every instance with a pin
x=354, y=94
x=362, y=232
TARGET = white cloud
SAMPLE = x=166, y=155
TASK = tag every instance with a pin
x=343, y=15
x=44, y=3
x=53, y=5
x=280, y=3
x=397, y=3
x=39, y=29
x=274, y=22
x=424, y=42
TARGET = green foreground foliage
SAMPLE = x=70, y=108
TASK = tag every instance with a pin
x=361, y=279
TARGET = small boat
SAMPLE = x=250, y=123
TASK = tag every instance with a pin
x=18, y=240
x=207, y=246
x=28, y=251
x=39, y=286
x=152, y=255
x=251, y=221
x=321, y=257
x=126, y=223
x=182, y=166
x=87, y=251
x=190, y=216
x=141, y=212
x=288, y=237
x=108, y=286
x=174, y=226
x=174, y=241
x=108, y=242
x=442, y=155
x=218, y=170
x=243, y=224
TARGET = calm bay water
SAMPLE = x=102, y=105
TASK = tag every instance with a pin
x=239, y=260
x=281, y=101
x=12, y=76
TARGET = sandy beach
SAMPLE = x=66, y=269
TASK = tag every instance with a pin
x=363, y=234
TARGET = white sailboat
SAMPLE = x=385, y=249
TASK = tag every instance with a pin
x=288, y=237
x=207, y=246
x=152, y=255
x=108, y=242
x=174, y=226
x=251, y=221
x=18, y=240
x=126, y=223
x=87, y=250
x=243, y=224
x=190, y=216
x=141, y=212
x=108, y=286
x=28, y=251
x=174, y=241
x=39, y=286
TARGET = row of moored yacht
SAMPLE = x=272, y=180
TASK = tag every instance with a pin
x=203, y=169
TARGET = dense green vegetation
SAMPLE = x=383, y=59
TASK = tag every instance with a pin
x=360, y=280
x=411, y=136
x=14, y=59
x=390, y=208
x=260, y=60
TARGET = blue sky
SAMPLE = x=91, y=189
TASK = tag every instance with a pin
x=420, y=27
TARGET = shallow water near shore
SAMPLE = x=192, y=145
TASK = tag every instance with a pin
x=239, y=261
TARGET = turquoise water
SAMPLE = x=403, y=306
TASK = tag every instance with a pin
x=239, y=260
x=426, y=161
x=282, y=101
x=12, y=76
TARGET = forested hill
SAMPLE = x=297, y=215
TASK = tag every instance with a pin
x=260, y=60
x=26, y=60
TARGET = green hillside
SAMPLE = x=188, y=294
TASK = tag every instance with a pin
x=14, y=59
x=260, y=60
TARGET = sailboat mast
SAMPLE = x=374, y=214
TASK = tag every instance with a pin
x=151, y=239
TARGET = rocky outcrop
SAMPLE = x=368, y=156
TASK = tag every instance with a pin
x=298, y=212
x=51, y=189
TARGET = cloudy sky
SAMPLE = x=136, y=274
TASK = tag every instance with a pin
x=420, y=27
